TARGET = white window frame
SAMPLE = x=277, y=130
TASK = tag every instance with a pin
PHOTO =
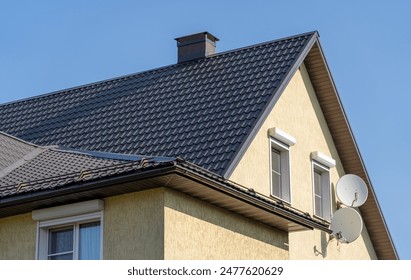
x=325, y=189
x=67, y=215
x=281, y=141
x=322, y=164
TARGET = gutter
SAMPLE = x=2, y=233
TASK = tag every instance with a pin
x=257, y=200
x=142, y=179
x=78, y=188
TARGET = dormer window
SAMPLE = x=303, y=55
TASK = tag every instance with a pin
x=280, y=143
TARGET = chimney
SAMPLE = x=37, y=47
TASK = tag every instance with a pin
x=195, y=46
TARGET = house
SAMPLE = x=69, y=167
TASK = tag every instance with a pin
x=231, y=155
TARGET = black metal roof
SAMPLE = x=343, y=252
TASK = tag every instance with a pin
x=45, y=176
x=37, y=168
x=12, y=149
x=201, y=110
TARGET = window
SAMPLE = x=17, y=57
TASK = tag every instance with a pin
x=280, y=143
x=322, y=185
x=70, y=232
x=280, y=171
x=322, y=202
x=77, y=241
x=276, y=172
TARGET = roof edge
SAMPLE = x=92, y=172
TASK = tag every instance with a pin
x=315, y=32
x=116, y=156
x=27, y=157
x=250, y=196
x=121, y=77
x=276, y=95
x=19, y=139
x=106, y=187
x=371, y=188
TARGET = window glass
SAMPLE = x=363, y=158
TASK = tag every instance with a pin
x=317, y=193
x=80, y=241
x=321, y=190
x=276, y=172
x=89, y=241
x=61, y=244
x=280, y=170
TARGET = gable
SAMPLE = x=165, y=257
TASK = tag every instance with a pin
x=298, y=113
x=347, y=148
x=337, y=132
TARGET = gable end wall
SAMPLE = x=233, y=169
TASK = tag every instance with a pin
x=298, y=113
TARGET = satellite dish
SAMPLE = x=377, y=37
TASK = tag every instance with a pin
x=352, y=190
x=346, y=225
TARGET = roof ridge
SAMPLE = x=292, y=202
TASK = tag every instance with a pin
x=265, y=43
x=86, y=174
x=271, y=102
x=111, y=156
x=23, y=160
x=19, y=139
x=127, y=76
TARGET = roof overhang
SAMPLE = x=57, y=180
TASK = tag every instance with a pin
x=177, y=175
x=347, y=148
x=313, y=58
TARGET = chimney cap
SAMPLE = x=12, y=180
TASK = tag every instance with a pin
x=196, y=38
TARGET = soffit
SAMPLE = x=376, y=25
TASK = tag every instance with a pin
x=347, y=148
x=179, y=175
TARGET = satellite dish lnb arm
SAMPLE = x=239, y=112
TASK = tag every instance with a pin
x=355, y=199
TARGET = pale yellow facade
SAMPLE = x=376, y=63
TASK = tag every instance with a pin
x=166, y=224
x=161, y=224
x=198, y=230
x=18, y=237
x=298, y=113
x=133, y=226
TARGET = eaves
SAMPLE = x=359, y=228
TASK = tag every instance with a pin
x=178, y=175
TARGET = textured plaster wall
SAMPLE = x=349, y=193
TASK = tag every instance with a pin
x=298, y=113
x=133, y=226
x=18, y=238
x=198, y=230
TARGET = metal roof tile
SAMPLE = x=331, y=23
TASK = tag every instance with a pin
x=155, y=112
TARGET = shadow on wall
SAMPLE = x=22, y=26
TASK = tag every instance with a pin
x=228, y=220
x=324, y=244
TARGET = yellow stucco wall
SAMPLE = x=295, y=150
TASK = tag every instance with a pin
x=18, y=238
x=198, y=230
x=133, y=226
x=298, y=113
x=161, y=224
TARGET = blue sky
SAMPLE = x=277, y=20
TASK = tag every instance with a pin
x=51, y=45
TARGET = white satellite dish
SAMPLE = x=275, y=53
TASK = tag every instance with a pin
x=346, y=225
x=352, y=190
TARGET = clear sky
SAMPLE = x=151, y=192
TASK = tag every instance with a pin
x=51, y=45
